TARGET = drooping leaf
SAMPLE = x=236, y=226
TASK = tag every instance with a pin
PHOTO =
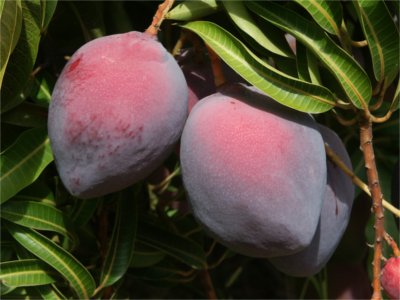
x=10, y=29
x=26, y=272
x=328, y=14
x=382, y=36
x=286, y=90
x=48, y=9
x=79, y=278
x=307, y=65
x=241, y=17
x=121, y=246
x=23, y=58
x=191, y=10
x=36, y=215
x=181, y=248
x=23, y=161
x=352, y=77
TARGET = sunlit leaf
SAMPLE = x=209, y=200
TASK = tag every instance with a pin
x=382, y=36
x=328, y=14
x=68, y=266
x=286, y=90
x=26, y=272
x=36, y=215
x=346, y=70
x=241, y=17
x=120, y=250
x=10, y=29
x=23, y=58
x=191, y=10
x=23, y=161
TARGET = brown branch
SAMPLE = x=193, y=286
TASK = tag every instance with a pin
x=376, y=194
x=207, y=284
x=356, y=180
x=159, y=17
x=392, y=244
x=219, y=78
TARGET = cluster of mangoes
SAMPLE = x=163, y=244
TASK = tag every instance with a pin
x=255, y=172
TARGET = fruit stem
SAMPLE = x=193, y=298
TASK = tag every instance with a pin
x=376, y=194
x=159, y=17
x=392, y=244
x=207, y=284
x=219, y=78
x=356, y=180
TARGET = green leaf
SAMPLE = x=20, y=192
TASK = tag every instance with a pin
x=172, y=244
x=382, y=36
x=191, y=10
x=36, y=215
x=10, y=29
x=346, y=70
x=48, y=9
x=83, y=211
x=68, y=266
x=307, y=65
x=145, y=256
x=23, y=161
x=38, y=191
x=23, y=58
x=241, y=17
x=26, y=115
x=49, y=292
x=120, y=251
x=286, y=90
x=26, y=272
x=328, y=14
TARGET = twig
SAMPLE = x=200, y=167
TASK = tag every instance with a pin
x=219, y=78
x=159, y=17
x=392, y=244
x=376, y=194
x=207, y=284
x=359, y=44
x=383, y=87
x=356, y=180
x=343, y=121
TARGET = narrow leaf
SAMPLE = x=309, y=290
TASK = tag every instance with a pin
x=328, y=14
x=346, y=70
x=26, y=272
x=83, y=211
x=382, y=36
x=50, y=292
x=191, y=10
x=172, y=244
x=68, y=266
x=286, y=90
x=23, y=58
x=307, y=65
x=36, y=215
x=48, y=9
x=120, y=251
x=10, y=29
x=241, y=17
x=23, y=161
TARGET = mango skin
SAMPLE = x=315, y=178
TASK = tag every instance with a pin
x=117, y=110
x=335, y=216
x=254, y=171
